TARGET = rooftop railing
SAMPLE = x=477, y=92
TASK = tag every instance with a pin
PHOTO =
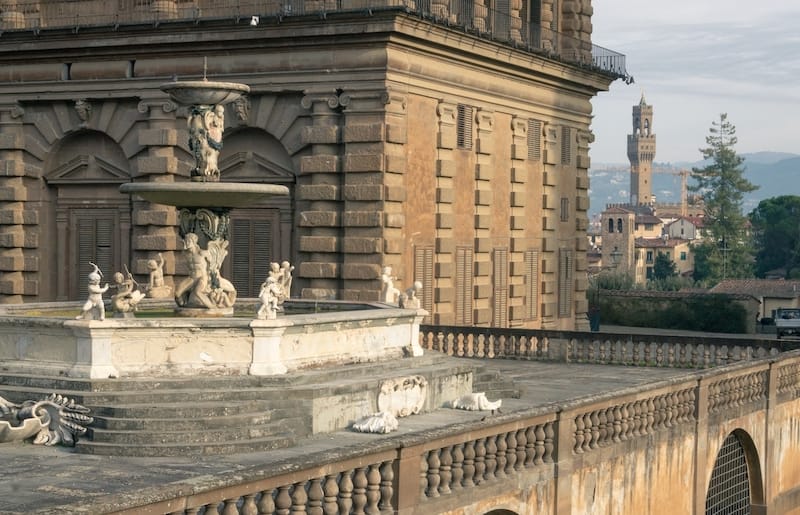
x=470, y=16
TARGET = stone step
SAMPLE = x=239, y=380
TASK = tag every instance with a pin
x=296, y=427
x=181, y=423
x=191, y=410
x=187, y=449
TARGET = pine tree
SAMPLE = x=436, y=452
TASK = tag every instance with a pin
x=722, y=185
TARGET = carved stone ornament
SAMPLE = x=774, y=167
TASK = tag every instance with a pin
x=403, y=396
x=51, y=421
x=383, y=422
x=476, y=402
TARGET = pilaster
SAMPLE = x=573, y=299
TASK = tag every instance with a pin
x=319, y=197
x=549, y=245
x=518, y=223
x=444, y=258
x=484, y=204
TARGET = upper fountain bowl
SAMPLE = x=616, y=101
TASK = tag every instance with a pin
x=204, y=92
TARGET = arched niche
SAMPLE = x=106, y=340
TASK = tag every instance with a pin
x=88, y=219
x=262, y=233
x=736, y=483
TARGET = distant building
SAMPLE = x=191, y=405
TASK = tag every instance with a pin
x=772, y=293
x=641, y=152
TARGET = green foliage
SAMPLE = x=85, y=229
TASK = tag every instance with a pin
x=722, y=185
x=610, y=280
x=673, y=283
x=713, y=313
x=664, y=267
x=776, y=235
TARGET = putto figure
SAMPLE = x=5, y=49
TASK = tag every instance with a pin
x=156, y=288
x=205, y=287
x=206, y=124
x=127, y=297
x=270, y=297
x=389, y=294
x=93, y=308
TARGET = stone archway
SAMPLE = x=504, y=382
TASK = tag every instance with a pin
x=89, y=220
x=500, y=511
x=736, y=486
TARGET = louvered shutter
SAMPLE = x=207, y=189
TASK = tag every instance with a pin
x=96, y=241
x=463, y=286
x=566, y=146
x=500, y=280
x=532, y=284
x=565, y=286
x=535, y=140
x=464, y=126
x=252, y=250
x=423, y=271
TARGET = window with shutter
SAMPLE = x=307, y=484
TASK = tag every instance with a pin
x=534, y=140
x=254, y=245
x=565, y=287
x=566, y=146
x=95, y=240
x=500, y=286
x=464, y=126
x=532, y=284
x=464, y=286
x=564, y=209
x=423, y=271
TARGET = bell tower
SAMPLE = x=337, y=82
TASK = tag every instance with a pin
x=641, y=152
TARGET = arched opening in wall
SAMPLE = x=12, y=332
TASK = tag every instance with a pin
x=88, y=220
x=736, y=485
x=263, y=233
x=500, y=512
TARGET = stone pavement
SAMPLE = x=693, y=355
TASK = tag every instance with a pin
x=35, y=479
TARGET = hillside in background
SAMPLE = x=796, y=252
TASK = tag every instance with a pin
x=776, y=174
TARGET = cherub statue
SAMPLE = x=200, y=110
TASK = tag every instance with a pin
x=93, y=308
x=205, y=287
x=410, y=299
x=156, y=288
x=205, y=139
x=127, y=298
x=270, y=296
x=286, y=279
x=389, y=294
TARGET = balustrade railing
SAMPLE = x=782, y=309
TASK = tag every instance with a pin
x=473, y=16
x=603, y=348
x=409, y=472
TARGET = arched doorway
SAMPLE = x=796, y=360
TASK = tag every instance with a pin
x=89, y=219
x=735, y=485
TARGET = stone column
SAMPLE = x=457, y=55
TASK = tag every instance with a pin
x=318, y=196
x=19, y=263
x=155, y=225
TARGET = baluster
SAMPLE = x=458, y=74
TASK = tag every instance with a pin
x=491, y=457
x=670, y=354
x=549, y=434
x=331, y=491
x=522, y=443
x=445, y=467
x=315, y=497
x=659, y=355
x=249, y=505
x=211, y=509
x=387, y=486
x=451, y=339
x=440, y=343
x=501, y=457
x=579, y=427
x=345, y=500
x=480, y=461
x=481, y=346
x=624, y=425
x=511, y=451
x=651, y=410
x=283, y=501
x=602, y=428
x=266, y=504
x=359, y=491
x=423, y=475
x=460, y=345
x=229, y=507
x=373, y=489
x=538, y=444
x=595, y=425
x=616, y=424
x=433, y=474
x=299, y=498
x=637, y=418
x=469, y=465
x=457, y=468
x=187, y=511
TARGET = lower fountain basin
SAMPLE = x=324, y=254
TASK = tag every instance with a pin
x=57, y=346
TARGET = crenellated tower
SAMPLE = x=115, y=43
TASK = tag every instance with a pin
x=641, y=152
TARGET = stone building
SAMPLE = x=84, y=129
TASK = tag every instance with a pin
x=641, y=152
x=449, y=141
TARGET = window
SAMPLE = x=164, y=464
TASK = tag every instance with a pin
x=566, y=263
x=683, y=255
x=463, y=304
x=464, y=127
x=648, y=227
x=534, y=140
x=423, y=271
x=610, y=225
x=500, y=287
x=253, y=246
x=619, y=225
x=564, y=209
x=566, y=146
x=532, y=284
x=649, y=256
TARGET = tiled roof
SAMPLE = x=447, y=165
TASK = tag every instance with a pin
x=648, y=219
x=759, y=287
x=658, y=243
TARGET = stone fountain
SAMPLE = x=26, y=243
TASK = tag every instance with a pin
x=204, y=203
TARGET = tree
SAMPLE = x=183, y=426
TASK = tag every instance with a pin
x=664, y=267
x=776, y=235
x=722, y=185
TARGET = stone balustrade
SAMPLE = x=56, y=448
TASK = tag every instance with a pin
x=601, y=348
x=433, y=471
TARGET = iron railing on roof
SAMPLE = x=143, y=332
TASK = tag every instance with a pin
x=468, y=15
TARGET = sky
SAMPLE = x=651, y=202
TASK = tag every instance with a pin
x=696, y=59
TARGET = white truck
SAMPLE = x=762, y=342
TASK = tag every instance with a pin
x=787, y=322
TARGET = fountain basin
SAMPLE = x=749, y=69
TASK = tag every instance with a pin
x=204, y=92
x=204, y=194
x=168, y=347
